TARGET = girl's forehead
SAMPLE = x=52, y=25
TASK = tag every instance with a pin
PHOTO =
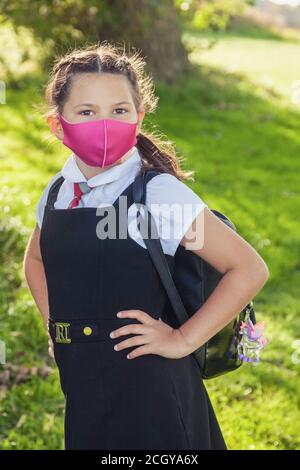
x=102, y=86
x=101, y=80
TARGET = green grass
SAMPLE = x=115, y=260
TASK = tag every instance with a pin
x=269, y=61
x=243, y=141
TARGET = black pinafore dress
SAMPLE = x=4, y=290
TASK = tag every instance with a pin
x=111, y=402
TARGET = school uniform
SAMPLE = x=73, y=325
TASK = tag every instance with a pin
x=111, y=402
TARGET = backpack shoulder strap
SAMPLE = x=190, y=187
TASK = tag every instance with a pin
x=53, y=191
x=139, y=185
x=148, y=227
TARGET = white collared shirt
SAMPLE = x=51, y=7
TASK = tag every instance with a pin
x=171, y=202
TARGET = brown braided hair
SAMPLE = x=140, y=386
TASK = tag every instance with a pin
x=156, y=153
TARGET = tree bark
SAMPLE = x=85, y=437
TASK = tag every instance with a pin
x=152, y=27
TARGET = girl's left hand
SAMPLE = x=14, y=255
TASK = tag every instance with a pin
x=155, y=336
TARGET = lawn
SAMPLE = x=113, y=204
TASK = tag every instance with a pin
x=268, y=61
x=241, y=137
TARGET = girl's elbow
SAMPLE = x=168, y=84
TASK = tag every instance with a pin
x=261, y=272
x=265, y=275
x=26, y=268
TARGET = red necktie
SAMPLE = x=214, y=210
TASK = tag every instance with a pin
x=79, y=190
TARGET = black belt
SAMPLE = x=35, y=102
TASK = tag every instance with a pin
x=67, y=331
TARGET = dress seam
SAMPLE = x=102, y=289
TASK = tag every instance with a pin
x=181, y=416
x=178, y=403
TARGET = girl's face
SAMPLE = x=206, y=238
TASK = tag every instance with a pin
x=98, y=96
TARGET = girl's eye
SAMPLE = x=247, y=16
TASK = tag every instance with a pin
x=86, y=111
x=82, y=113
x=122, y=109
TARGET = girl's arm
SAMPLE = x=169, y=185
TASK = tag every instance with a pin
x=244, y=274
x=35, y=274
x=36, y=279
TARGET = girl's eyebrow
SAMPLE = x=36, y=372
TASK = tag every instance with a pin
x=91, y=104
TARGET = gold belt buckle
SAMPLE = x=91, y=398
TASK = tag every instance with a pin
x=62, y=333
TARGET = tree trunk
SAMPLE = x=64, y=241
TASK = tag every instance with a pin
x=151, y=26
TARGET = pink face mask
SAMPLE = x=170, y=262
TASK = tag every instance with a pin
x=101, y=142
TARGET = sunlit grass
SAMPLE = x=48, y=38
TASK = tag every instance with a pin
x=269, y=62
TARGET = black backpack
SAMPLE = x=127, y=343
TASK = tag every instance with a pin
x=191, y=283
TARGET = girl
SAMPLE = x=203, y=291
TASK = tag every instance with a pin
x=129, y=379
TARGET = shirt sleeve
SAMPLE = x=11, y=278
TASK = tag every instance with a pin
x=43, y=199
x=173, y=206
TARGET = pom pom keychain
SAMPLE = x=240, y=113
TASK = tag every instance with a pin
x=252, y=341
x=248, y=339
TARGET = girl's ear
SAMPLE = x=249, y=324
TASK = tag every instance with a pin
x=55, y=126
